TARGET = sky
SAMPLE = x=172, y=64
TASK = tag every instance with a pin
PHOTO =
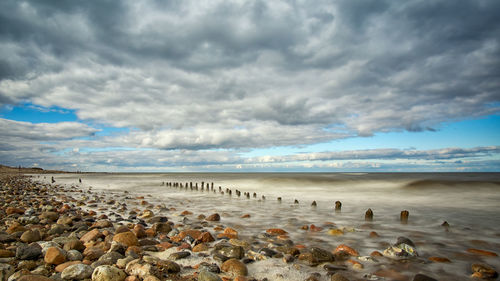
x=250, y=86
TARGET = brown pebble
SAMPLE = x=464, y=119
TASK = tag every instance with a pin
x=482, y=252
x=54, y=256
x=439, y=259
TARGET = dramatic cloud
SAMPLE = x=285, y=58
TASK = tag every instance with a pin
x=200, y=75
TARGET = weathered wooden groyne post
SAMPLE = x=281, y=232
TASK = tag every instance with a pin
x=338, y=206
x=369, y=215
x=404, y=216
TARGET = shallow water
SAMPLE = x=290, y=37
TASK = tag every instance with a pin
x=469, y=202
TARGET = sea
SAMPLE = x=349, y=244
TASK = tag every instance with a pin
x=469, y=203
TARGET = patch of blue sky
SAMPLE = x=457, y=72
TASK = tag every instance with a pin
x=463, y=134
x=28, y=112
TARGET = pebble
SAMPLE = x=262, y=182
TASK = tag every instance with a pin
x=208, y=276
x=483, y=271
x=338, y=277
x=108, y=273
x=126, y=238
x=235, y=267
x=55, y=255
x=28, y=252
x=77, y=272
x=179, y=255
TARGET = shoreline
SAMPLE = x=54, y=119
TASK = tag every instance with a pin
x=188, y=242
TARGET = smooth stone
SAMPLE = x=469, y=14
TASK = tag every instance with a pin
x=483, y=271
x=230, y=251
x=140, y=270
x=213, y=217
x=235, y=267
x=321, y=255
x=55, y=255
x=63, y=266
x=74, y=244
x=422, y=277
x=179, y=255
x=208, y=276
x=34, y=278
x=168, y=266
x=108, y=273
x=31, y=236
x=127, y=238
x=6, y=253
x=122, y=263
x=338, y=277
x=77, y=271
x=211, y=267
x=6, y=270
x=93, y=253
x=28, y=252
x=110, y=258
x=74, y=255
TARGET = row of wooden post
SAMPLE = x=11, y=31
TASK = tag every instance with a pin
x=338, y=205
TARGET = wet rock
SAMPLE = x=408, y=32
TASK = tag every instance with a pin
x=335, y=232
x=55, y=255
x=346, y=249
x=28, y=252
x=108, y=273
x=161, y=227
x=276, y=231
x=208, y=276
x=31, y=236
x=211, y=267
x=200, y=248
x=235, y=267
x=482, y=252
x=168, y=266
x=483, y=271
x=403, y=247
x=126, y=238
x=77, y=272
x=338, y=277
x=179, y=255
x=230, y=251
x=213, y=217
x=422, y=277
x=321, y=255
x=439, y=259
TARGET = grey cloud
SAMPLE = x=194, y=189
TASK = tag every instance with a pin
x=192, y=75
x=392, y=154
x=43, y=131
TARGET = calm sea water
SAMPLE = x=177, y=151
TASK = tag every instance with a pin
x=469, y=202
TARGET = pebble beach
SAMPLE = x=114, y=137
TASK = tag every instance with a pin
x=53, y=231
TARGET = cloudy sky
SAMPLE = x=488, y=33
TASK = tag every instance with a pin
x=343, y=85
